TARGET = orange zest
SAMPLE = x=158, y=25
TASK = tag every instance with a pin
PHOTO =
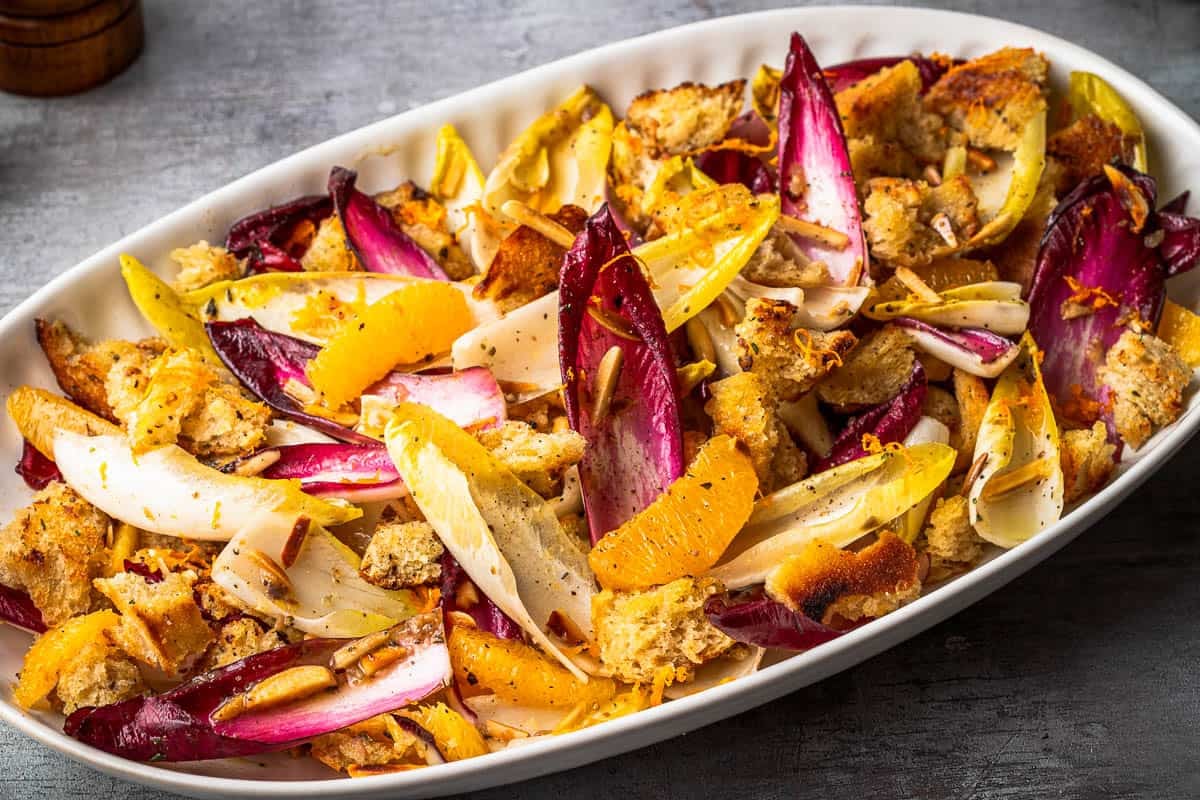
x=412, y=324
x=687, y=528
x=517, y=673
x=52, y=653
x=1093, y=296
x=456, y=738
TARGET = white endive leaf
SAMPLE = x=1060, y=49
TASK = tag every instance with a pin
x=993, y=305
x=1019, y=490
x=168, y=491
x=457, y=184
x=520, y=348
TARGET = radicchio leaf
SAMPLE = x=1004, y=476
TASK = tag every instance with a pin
x=888, y=422
x=976, y=350
x=379, y=243
x=844, y=75
x=487, y=615
x=264, y=361
x=635, y=450
x=816, y=183
x=17, y=608
x=1093, y=264
x=178, y=725
x=359, y=473
x=470, y=397
x=260, y=238
x=735, y=166
x=37, y=470
x=753, y=618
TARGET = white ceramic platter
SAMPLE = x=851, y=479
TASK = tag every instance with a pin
x=92, y=297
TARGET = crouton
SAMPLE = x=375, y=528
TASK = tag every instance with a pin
x=973, y=396
x=536, y=458
x=949, y=535
x=161, y=625
x=632, y=168
x=1081, y=150
x=886, y=108
x=52, y=549
x=364, y=744
x=791, y=361
x=203, y=264
x=217, y=604
x=82, y=369
x=879, y=158
x=826, y=583
x=639, y=633
x=685, y=119
x=993, y=98
x=873, y=373
x=175, y=387
x=225, y=425
x=424, y=220
x=742, y=407
x=942, y=406
x=527, y=264
x=329, y=250
x=402, y=554
x=241, y=638
x=98, y=676
x=909, y=223
x=1147, y=378
x=778, y=261
x=1088, y=460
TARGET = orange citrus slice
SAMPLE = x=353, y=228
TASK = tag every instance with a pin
x=1180, y=328
x=412, y=324
x=687, y=528
x=53, y=651
x=456, y=738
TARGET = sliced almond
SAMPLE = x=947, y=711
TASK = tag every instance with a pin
x=274, y=578
x=295, y=541
x=376, y=660
x=912, y=281
x=607, y=374
x=255, y=464
x=279, y=689
x=1006, y=483
x=811, y=230
x=348, y=655
x=530, y=218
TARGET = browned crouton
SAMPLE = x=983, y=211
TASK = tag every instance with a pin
x=742, y=407
x=203, y=264
x=873, y=373
x=100, y=674
x=52, y=549
x=527, y=264
x=632, y=168
x=639, y=633
x=1147, y=377
x=993, y=98
x=225, y=425
x=949, y=535
x=942, y=406
x=241, y=638
x=424, y=220
x=791, y=361
x=886, y=109
x=973, y=396
x=536, y=458
x=826, y=583
x=778, y=261
x=1087, y=461
x=82, y=369
x=329, y=250
x=365, y=744
x=1082, y=149
x=685, y=119
x=402, y=554
x=910, y=223
x=161, y=625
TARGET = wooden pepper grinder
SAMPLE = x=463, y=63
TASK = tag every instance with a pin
x=56, y=47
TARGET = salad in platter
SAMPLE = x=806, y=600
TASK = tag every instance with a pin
x=410, y=477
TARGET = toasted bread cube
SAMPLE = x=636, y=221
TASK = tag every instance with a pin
x=778, y=261
x=640, y=633
x=826, y=583
x=1147, y=378
x=1088, y=461
x=949, y=535
x=52, y=549
x=101, y=674
x=790, y=360
x=161, y=625
x=536, y=458
x=873, y=373
x=82, y=369
x=526, y=264
x=402, y=554
x=203, y=264
x=886, y=108
x=632, y=168
x=424, y=220
x=329, y=250
x=909, y=223
x=993, y=98
x=1081, y=150
x=742, y=407
x=241, y=638
x=972, y=396
x=685, y=119
x=364, y=744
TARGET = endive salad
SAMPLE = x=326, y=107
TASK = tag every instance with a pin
x=414, y=475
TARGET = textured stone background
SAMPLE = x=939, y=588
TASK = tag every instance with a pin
x=1077, y=680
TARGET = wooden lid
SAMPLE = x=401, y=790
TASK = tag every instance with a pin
x=68, y=52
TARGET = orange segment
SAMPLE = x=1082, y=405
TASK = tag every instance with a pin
x=687, y=528
x=53, y=651
x=410, y=325
x=1180, y=328
x=456, y=738
x=516, y=673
